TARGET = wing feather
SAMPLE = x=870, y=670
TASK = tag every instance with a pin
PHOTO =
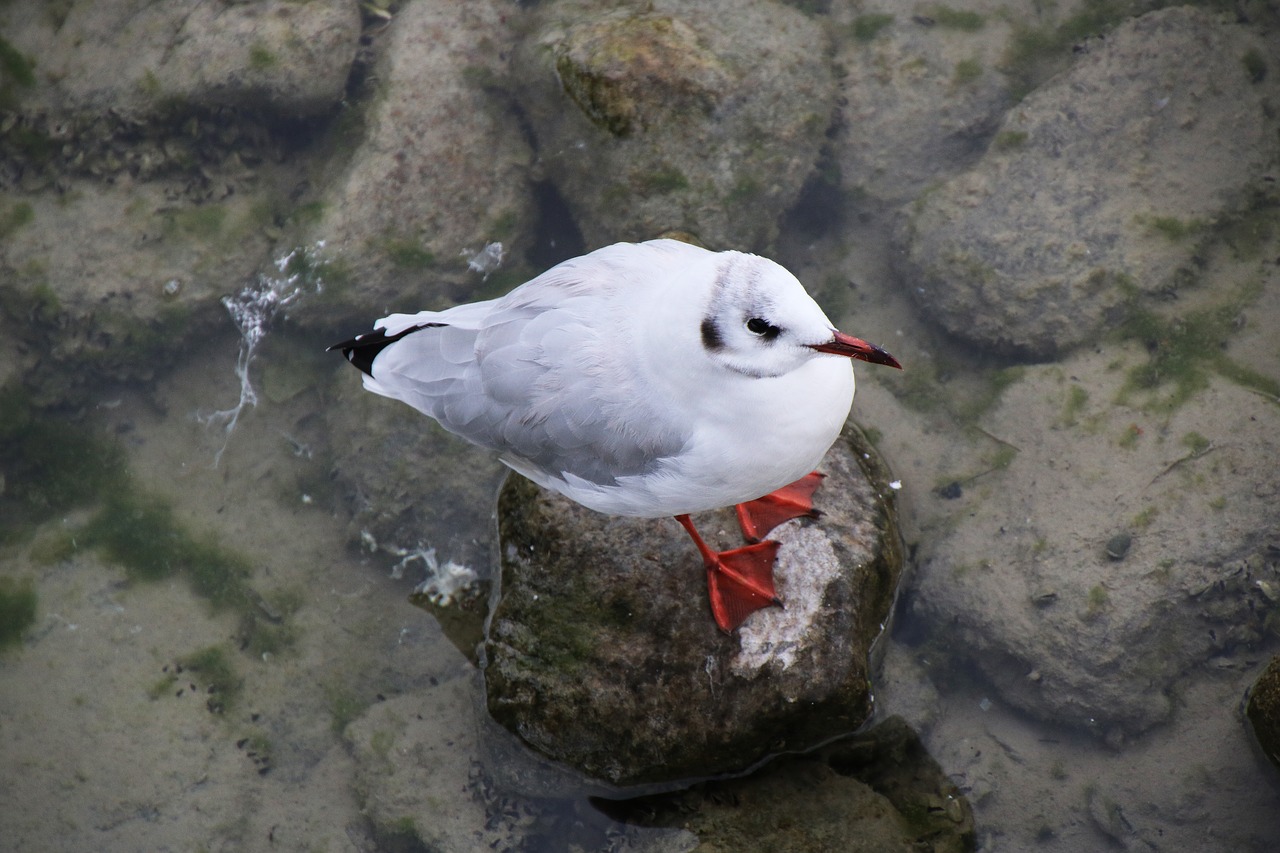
x=540, y=375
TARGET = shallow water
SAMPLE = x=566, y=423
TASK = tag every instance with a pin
x=120, y=730
x=109, y=747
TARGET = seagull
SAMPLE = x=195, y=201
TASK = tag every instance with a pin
x=642, y=379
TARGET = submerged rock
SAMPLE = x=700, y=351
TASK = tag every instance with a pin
x=920, y=100
x=676, y=116
x=1263, y=711
x=876, y=792
x=139, y=57
x=602, y=653
x=148, y=167
x=439, y=173
x=1098, y=188
x=409, y=485
x=1014, y=577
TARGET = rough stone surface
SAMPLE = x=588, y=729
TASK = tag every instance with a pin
x=1263, y=711
x=145, y=175
x=137, y=56
x=602, y=652
x=676, y=116
x=422, y=787
x=408, y=483
x=1020, y=574
x=107, y=275
x=1098, y=186
x=919, y=99
x=879, y=791
x=439, y=173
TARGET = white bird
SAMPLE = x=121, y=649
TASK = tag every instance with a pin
x=645, y=380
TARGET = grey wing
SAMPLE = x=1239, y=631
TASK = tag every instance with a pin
x=540, y=385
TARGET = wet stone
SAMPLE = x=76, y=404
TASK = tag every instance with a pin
x=877, y=791
x=1118, y=546
x=602, y=653
x=1262, y=708
x=666, y=115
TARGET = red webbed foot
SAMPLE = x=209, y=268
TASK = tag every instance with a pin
x=761, y=515
x=740, y=581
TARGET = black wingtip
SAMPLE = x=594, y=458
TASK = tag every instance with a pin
x=363, y=349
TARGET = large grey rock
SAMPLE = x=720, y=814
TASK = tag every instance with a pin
x=439, y=172
x=408, y=484
x=1099, y=186
x=874, y=793
x=602, y=653
x=1118, y=550
x=145, y=175
x=677, y=115
x=106, y=272
x=1262, y=709
x=920, y=98
x=141, y=57
x=422, y=786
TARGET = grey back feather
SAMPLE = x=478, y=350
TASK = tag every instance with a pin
x=534, y=378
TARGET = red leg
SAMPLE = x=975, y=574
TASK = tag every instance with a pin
x=761, y=515
x=739, y=582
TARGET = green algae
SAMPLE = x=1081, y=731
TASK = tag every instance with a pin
x=261, y=57
x=203, y=222
x=1008, y=140
x=1096, y=601
x=18, y=215
x=17, y=609
x=1172, y=228
x=1183, y=353
x=1077, y=398
x=1254, y=66
x=1196, y=443
x=963, y=20
x=1036, y=53
x=866, y=27
x=967, y=70
x=17, y=72
x=51, y=466
x=660, y=181
x=140, y=533
x=408, y=254
x=215, y=671
x=344, y=706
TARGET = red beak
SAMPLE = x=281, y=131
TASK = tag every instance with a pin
x=852, y=347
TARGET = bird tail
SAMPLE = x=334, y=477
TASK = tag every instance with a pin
x=363, y=349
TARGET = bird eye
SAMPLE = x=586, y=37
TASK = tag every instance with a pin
x=763, y=328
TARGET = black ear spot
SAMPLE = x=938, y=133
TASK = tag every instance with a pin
x=711, y=339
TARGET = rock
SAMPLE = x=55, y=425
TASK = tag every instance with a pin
x=422, y=788
x=417, y=778
x=920, y=97
x=136, y=196
x=439, y=174
x=110, y=279
x=676, y=117
x=139, y=57
x=878, y=791
x=1098, y=188
x=1017, y=572
x=408, y=483
x=1262, y=709
x=602, y=653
